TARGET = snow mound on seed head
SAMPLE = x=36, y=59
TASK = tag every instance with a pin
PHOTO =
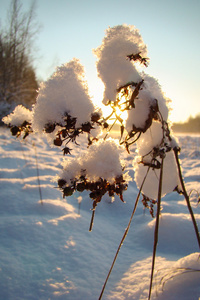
x=18, y=116
x=113, y=66
x=102, y=160
x=65, y=92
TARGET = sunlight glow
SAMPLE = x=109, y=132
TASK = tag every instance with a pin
x=122, y=114
x=97, y=90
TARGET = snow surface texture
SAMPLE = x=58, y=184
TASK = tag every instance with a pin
x=47, y=251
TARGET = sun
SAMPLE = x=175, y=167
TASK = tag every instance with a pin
x=98, y=91
x=115, y=115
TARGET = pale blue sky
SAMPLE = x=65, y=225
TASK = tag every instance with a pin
x=170, y=28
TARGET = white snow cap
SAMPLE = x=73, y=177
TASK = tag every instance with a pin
x=152, y=85
x=113, y=66
x=150, y=91
x=65, y=92
x=153, y=138
x=18, y=116
x=100, y=161
x=170, y=177
x=138, y=115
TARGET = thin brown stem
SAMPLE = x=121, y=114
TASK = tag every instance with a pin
x=110, y=129
x=92, y=220
x=107, y=118
x=131, y=83
x=38, y=175
x=176, y=150
x=125, y=234
x=156, y=227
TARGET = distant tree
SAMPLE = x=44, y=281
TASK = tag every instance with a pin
x=18, y=83
x=191, y=125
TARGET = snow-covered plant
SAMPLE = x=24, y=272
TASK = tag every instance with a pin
x=99, y=170
x=64, y=112
x=121, y=45
x=64, y=108
x=19, y=121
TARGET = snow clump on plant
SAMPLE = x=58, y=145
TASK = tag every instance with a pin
x=102, y=160
x=18, y=116
x=99, y=171
x=113, y=64
x=149, y=101
x=64, y=94
x=147, y=145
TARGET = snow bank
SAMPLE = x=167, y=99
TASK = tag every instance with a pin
x=48, y=252
x=173, y=280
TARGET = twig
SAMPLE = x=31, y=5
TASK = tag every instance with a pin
x=38, y=175
x=23, y=153
x=125, y=234
x=156, y=226
x=131, y=83
x=176, y=150
x=92, y=220
x=110, y=129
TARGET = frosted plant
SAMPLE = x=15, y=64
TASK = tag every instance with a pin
x=64, y=111
x=65, y=93
x=19, y=121
x=113, y=62
x=99, y=170
x=64, y=108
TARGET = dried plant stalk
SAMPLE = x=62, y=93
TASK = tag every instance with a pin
x=176, y=150
x=125, y=234
x=38, y=175
x=156, y=226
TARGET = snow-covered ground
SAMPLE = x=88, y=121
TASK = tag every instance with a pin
x=47, y=251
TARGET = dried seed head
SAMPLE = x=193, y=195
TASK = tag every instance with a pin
x=57, y=142
x=86, y=127
x=68, y=191
x=119, y=179
x=61, y=183
x=95, y=117
x=14, y=130
x=49, y=128
x=105, y=125
x=80, y=187
x=66, y=151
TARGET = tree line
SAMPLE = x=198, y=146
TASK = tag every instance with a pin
x=191, y=125
x=18, y=82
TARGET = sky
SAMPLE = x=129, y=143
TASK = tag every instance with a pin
x=170, y=29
